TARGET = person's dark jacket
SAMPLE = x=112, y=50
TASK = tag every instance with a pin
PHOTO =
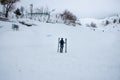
x=62, y=42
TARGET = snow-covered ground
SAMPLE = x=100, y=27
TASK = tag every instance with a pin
x=31, y=52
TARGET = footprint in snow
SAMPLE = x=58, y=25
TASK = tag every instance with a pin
x=49, y=35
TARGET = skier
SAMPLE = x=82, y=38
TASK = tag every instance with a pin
x=61, y=45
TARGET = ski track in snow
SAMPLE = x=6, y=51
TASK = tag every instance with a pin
x=31, y=53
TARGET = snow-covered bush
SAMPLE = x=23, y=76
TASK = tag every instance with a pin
x=17, y=12
x=93, y=25
x=68, y=17
x=107, y=23
x=115, y=20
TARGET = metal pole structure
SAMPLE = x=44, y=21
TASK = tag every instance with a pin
x=31, y=10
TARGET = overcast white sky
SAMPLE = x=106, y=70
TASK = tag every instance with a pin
x=82, y=8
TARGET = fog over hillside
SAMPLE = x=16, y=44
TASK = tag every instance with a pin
x=82, y=8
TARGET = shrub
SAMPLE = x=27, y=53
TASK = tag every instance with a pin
x=107, y=22
x=93, y=25
x=17, y=12
x=68, y=17
x=114, y=21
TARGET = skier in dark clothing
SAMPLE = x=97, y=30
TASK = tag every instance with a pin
x=61, y=45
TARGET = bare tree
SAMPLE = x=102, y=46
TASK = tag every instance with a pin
x=8, y=5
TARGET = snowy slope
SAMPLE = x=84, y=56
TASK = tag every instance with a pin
x=31, y=52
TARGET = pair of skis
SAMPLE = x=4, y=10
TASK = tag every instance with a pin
x=65, y=48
